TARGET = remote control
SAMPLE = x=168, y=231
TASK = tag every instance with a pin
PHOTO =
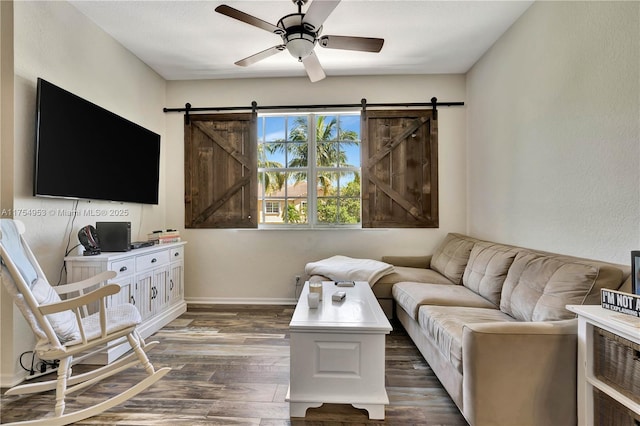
x=345, y=283
x=338, y=296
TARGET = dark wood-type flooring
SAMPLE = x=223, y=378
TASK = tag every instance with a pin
x=230, y=366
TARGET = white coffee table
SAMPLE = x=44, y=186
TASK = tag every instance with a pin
x=338, y=352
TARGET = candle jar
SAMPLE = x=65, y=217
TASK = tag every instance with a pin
x=316, y=288
x=313, y=299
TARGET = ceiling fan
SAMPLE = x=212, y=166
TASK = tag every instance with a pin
x=300, y=32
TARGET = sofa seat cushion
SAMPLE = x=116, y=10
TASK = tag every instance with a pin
x=443, y=325
x=487, y=269
x=410, y=296
x=403, y=273
x=451, y=256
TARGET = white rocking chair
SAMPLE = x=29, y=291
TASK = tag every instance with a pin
x=64, y=329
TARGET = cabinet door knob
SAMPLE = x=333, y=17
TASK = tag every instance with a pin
x=133, y=300
x=154, y=260
x=176, y=254
x=124, y=268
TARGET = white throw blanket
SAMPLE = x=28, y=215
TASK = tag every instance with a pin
x=338, y=268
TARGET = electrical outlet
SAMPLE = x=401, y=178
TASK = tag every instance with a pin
x=42, y=369
x=297, y=286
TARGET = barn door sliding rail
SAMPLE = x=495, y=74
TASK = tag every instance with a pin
x=363, y=104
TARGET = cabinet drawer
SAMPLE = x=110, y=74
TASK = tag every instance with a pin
x=122, y=267
x=617, y=362
x=152, y=260
x=609, y=412
x=177, y=254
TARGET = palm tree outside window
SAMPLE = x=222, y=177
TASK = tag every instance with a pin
x=310, y=165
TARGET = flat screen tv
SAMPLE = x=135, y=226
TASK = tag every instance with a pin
x=84, y=151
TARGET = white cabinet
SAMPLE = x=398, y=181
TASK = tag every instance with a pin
x=151, y=278
x=124, y=268
x=150, y=282
x=608, y=367
x=175, y=287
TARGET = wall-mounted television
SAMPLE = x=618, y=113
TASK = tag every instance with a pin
x=84, y=151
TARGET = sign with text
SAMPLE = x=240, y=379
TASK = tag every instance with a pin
x=621, y=302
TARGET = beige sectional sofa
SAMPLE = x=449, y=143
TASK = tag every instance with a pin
x=490, y=320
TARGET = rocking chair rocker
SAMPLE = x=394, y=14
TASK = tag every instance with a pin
x=66, y=332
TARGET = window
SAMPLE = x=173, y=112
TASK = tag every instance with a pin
x=312, y=170
x=272, y=207
x=310, y=165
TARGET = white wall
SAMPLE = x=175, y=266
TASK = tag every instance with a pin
x=245, y=265
x=54, y=41
x=553, y=132
x=9, y=314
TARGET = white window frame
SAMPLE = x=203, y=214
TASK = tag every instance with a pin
x=312, y=174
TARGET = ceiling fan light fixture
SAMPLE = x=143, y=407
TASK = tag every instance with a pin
x=299, y=41
x=299, y=45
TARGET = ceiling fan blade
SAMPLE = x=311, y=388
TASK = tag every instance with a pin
x=246, y=18
x=364, y=44
x=313, y=68
x=250, y=60
x=318, y=12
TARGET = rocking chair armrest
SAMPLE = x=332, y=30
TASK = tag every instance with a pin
x=81, y=285
x=76, y=302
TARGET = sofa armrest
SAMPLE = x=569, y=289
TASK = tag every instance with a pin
x=423, y=262
x=520, y=372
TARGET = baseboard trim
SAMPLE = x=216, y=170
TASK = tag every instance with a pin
x=239, y=301
x=160, y=320
x=10, y=380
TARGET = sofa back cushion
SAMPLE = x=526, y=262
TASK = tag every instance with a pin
x=539, y=285
x=451, y=257
x=487, y=269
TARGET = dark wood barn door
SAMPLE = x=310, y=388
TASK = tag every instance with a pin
x=221, y=171
x=399, y=169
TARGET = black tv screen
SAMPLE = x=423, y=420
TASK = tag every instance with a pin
x=84, y=151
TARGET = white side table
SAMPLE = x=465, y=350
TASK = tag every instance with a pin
x=590, y=316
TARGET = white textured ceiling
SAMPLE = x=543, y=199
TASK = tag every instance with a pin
x=185, y=40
